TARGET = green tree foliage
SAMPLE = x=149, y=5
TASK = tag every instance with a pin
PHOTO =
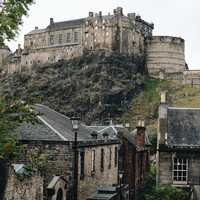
x=164, y=192
x=12, y=113
x=11, y=15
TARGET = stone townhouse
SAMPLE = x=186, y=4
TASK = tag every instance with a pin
x=178, y=149
x=53, y=136
x=134, y=154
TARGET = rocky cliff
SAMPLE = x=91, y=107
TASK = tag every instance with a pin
x=98, y=86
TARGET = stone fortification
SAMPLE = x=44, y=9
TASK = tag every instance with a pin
x=69, y=39
x=165, y=56
x=125, y=34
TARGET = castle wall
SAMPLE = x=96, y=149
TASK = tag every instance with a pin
x=191, y=77
x=165, y=54
x=4, y=52
x=66, y=40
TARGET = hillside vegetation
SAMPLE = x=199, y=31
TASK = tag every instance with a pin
x=145, y=105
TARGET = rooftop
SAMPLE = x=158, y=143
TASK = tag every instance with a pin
x=54, y=126
x=183, y=127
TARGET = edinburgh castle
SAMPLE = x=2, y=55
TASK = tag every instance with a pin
x=126, y=34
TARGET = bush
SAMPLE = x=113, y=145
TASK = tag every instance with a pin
x=162, y=192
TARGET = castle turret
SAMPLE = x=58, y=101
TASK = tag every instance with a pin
x=165, y=55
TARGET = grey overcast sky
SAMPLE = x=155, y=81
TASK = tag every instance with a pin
x=179, y=18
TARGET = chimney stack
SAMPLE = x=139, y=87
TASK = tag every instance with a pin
x=140, y=141
x=91, y=14
x=51, y=21
x=36, y=28
x=162, y=119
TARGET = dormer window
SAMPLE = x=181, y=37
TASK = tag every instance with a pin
x=94, y=135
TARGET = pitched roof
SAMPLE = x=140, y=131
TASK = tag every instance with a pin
x=54, y=126
x=183, y=127
x=66, y=24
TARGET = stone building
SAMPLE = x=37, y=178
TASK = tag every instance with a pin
x=53, y=137
x=178, y=147
x=134, y=154
x=69, y=39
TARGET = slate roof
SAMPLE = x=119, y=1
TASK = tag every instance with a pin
x=66, y=24
x=35, y=31
x=115, y=130
x=54, y=126
x=183, y=127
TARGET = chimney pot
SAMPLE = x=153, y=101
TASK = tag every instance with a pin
x=36, y=28
x=163, y=97
x=91, y=14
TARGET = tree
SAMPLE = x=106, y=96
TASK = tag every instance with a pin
x=12, y=114
x=11, y=15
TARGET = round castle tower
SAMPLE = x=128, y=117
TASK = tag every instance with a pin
x=165, y=55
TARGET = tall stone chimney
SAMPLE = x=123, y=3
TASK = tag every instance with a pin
x=162, y=120
x=140, y=139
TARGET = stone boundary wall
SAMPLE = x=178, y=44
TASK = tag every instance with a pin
x=30, y=187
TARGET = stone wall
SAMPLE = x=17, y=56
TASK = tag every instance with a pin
x=165, y=54
x=60, y=163
x=93, y=179
x=30, y=188
x=66, y=40
x=4, y=52
x=191, y=77
x=59, y=159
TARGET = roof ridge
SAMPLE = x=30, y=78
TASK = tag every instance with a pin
x=53, y=129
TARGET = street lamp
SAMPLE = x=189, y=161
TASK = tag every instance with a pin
x=75, y=127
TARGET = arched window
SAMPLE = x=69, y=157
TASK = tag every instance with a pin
x=59, y=194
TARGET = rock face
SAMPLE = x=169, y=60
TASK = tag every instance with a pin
x=99, y=85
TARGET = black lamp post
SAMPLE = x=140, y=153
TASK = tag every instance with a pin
x=75, y=127
x=121, y=173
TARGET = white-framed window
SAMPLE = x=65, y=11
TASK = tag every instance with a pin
x=180, y=170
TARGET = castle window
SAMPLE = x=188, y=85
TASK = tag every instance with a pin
x=75, y=36
x=93, y=162
x=51, y=39
x=110, y=157
x=68, y=37
x=116, y=156
x=102, y=160
x=82, y=164
x=180, y=170
x=60, y=39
